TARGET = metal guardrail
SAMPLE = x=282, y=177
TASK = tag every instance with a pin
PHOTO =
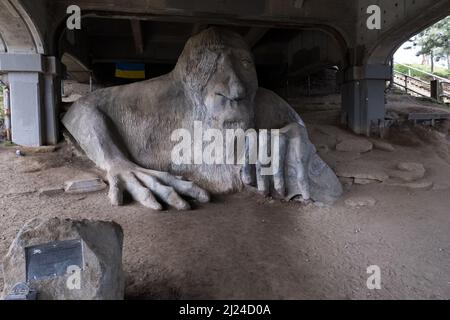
x=412, y=78
x=435, y=77
x=402, y=80
x=406, y=80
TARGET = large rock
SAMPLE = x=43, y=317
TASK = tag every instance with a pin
x=361, y=171
x=354, y=145
x=65, y=259
x=411, y=166
x=408, y=171
x=382, y=145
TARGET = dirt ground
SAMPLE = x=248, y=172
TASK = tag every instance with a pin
x=244, y=246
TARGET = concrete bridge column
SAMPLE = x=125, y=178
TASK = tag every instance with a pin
x=34, y=96
x=363, y=98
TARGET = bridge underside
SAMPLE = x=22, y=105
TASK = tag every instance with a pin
x=289, y=39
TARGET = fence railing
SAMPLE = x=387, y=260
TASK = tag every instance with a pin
x=435, y=77
x=437, y=89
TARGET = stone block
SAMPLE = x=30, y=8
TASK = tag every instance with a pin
x=84, y=185
x=62, y=259
x=354, y=145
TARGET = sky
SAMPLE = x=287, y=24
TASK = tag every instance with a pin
x=403, y=55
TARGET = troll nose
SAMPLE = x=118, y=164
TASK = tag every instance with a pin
x=233, y=89
x=237, y=91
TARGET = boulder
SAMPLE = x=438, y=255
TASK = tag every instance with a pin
x=354, y=145
x=408, y=171
x=405, y=175
x=411, y=166
x=361, y=171
x=62, y=259
x=382, y=145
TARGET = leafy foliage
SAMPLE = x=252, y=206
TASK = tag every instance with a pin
x=434, y=41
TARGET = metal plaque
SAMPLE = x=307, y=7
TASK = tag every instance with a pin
x=52, y=259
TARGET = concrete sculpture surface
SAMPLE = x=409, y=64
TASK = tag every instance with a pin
x=128, y=131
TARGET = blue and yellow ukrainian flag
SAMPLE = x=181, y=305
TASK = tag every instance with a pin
x=130, y=70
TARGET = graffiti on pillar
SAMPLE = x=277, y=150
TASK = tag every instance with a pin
x=373, y=22
x=74, y=20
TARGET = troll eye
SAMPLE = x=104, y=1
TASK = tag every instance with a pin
x=246, y=62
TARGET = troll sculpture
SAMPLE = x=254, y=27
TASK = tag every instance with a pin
x=126, y=130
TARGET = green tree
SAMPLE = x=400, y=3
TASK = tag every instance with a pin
x=434, y=42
